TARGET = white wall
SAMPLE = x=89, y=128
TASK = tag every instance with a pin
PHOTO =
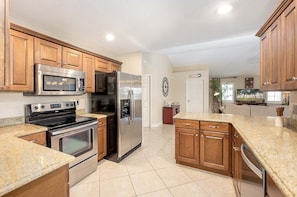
x=12, y=103
x=239, y=82
x=159, y=67
x=179, y=84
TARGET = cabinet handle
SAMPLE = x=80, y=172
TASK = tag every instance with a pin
x=267, y=83
x=188, y=124
x=196, y=135
x=99, y=122
x=294, y=78
x=235, y=135
x=214, y=127
x=202, y=135
x=237, y=149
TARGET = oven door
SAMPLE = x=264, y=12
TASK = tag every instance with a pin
x=80, y=141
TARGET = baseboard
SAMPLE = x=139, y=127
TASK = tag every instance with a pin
x=157, y=124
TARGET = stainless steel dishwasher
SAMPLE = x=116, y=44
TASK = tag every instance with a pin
x=253, y=180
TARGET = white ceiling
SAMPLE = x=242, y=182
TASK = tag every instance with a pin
x=188, y=31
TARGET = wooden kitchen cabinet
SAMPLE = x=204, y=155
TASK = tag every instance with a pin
x=38, y=138
x=72, y=59
x=52, y=184
x=236, y=160
x=115, y=67
x=215, y=145
x=19, y=71
x=270, y=61
x=289, y=68
x=102, y=65
x=47, y=53
x=89, y=69
x=4, y=39
x=102, y=138
x=187, y=141
x=278, y=61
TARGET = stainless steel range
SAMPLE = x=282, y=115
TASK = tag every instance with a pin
x=68, y=133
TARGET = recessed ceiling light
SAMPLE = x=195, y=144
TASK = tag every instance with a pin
x=109, y=37
x=224, y=9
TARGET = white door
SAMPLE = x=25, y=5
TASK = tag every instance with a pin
x=194, y=95
x=146, y=100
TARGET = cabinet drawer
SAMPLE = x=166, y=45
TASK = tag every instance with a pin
x=190, y=124
x=101, y=121
x=214, y=126
x=38, y=138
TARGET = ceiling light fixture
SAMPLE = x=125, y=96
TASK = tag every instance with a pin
x=224, y=9
x=109, y=37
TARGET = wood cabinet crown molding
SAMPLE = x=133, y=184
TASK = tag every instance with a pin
x=64, y=44
x=278, y=11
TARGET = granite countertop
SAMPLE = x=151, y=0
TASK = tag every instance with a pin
x=275, y=147
x=22, y=161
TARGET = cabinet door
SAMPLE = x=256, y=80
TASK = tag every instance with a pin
x=101, y=138
x=102, y=65
x=289, y=68
x=47, y=53
x=4, y=38
x=72, y=59
x=187, y=145
x=214, y=150
x=270, y=62
x=19, y=72
x=89, y=69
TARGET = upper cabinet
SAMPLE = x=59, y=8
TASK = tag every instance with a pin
x=19, y=71
x=89, y=69
x=271, y=58
x=289, y=68
x=102, y=65
x=4, y=37
x=47, y=53
x=278, y=63
x=72, y=59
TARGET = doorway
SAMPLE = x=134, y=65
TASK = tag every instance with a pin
x=146, y=102
x=195, y=95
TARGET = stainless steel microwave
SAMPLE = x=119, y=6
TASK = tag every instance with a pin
x=51, y=80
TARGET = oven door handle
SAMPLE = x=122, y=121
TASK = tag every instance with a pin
x=71, y=129
x=249, y=163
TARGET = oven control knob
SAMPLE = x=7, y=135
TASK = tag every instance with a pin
x=36, y=107
x=67, y=105
x=42, y=106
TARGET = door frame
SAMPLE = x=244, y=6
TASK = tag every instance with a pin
x=149, y=91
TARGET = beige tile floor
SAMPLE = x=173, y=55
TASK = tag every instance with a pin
x=151, y=171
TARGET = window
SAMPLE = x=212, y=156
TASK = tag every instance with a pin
x=274, y=96
x=227, y=92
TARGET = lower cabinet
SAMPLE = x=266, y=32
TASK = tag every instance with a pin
x=187, y=145
x=53, y=184
x=214, y=150
x=111, y=134
x=102, y=138
x=203, y=145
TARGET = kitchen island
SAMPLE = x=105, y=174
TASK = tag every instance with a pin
x=22, y=162
x=275, y=147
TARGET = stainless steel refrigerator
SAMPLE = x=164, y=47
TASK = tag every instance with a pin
x=119, y=94
x=129, y=116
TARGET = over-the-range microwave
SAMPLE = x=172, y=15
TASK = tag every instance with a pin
x=57, y=81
